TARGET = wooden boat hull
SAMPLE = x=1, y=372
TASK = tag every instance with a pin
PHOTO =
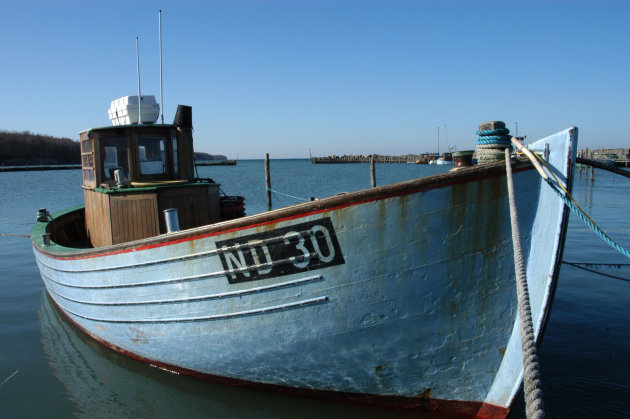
x=402, y=294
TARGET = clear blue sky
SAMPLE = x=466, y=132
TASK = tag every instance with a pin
x=333, y=76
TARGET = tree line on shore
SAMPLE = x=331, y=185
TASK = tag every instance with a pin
x=27, y=148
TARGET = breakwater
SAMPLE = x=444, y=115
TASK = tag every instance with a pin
x=407, y=158
x=215, y=163
x=619, y=157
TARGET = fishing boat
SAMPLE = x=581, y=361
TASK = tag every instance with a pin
x=400, y=295
x=444, y=159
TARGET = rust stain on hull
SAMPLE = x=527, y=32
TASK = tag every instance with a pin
x=426, y=394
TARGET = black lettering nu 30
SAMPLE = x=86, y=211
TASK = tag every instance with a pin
x=283, y=251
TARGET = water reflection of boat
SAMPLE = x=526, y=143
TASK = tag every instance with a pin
x=96, y=379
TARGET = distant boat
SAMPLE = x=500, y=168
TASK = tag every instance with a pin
x=444, y=159
x=400, y=295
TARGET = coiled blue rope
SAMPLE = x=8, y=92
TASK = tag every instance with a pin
x=498, y=131
x=571, y=204
x=493, y=139
x=499, y=137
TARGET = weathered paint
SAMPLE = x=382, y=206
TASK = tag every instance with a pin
x=404, y=291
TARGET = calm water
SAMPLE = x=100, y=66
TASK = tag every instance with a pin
x=48, y=369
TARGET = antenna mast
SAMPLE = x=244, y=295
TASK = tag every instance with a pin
x=139, y=97
x=161, y=92
x=438, y=141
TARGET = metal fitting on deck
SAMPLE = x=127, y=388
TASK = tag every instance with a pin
x=43, y=216
x=172, y=220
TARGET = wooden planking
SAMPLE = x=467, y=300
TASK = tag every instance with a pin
x=191, y=204
x=185, y=154
x=214, y=204
x=97, y=218
x=134, y=216
x=113, y=218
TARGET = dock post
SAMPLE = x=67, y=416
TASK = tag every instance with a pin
x=268, y=181
x=372, y=172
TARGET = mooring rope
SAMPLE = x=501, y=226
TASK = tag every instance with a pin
x=609, y=265
x=573, y=205
x=290, y=196
x=532, y=384
x=14, y=235
x=9, y=377
x=568, y=199
x=583, y=266
x=570, y=202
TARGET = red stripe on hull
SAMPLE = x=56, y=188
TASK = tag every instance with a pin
x=419, y=188
x=454, y=408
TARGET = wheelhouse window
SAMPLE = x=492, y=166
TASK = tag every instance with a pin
x=152, y=156
x=87, y=160
x=175, y=160
x=114, y=156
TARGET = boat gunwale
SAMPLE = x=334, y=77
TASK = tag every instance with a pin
x=335, y=202
x=564, y=227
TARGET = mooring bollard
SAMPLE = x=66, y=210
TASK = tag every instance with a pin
x=493, y=138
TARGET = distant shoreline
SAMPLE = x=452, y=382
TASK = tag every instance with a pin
x=29, y=168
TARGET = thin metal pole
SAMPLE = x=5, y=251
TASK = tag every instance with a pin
x=268, y=181
x=139, y=96
x=438, y=141
x=161, y=90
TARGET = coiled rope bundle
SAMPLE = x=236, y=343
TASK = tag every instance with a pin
x=493, y=138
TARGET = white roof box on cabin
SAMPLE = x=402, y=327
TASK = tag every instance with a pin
x=124, y=110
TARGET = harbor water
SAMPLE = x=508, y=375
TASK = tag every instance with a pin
x=50, y=369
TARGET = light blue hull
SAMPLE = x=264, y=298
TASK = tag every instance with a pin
x=402, y=290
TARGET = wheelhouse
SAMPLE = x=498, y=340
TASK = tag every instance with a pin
x=133, y=173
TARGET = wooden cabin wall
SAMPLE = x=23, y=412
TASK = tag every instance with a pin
x=134, y=216
x=97, y=218
x=186, y=154
x=214, y=204
x=113, y=218
x=118, y=218
x=194, y=205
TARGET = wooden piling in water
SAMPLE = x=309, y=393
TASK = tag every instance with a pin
x=268, y=181
x=372, y=172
